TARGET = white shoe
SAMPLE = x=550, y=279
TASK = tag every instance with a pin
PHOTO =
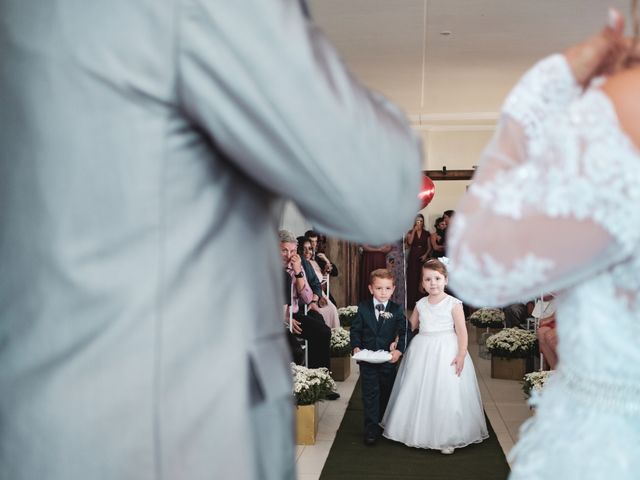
x=447, y=450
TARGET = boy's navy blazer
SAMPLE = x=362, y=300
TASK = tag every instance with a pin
x=371, y=334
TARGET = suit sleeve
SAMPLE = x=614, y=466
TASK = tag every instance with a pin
x=355, y=333
x=402, y=330
x=264, y=84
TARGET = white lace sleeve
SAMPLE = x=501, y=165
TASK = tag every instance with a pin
x=555, y=197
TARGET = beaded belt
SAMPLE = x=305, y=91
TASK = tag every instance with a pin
x=616, y=397
x=434, y=334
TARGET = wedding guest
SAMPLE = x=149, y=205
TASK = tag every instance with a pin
x=548, y=342
x=376, y=326
x=146, y=150
x=437, y=238
x=515, y=315
x=318, y=243
x=418, y=240
x=545, y=311
x=313, y=238
x=320, y=300
x=447, y=216
x=310, y=326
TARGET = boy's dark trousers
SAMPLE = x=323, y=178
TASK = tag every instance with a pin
x=377, y=381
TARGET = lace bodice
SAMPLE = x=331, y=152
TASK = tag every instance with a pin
x=554, y=207
x=437, y=317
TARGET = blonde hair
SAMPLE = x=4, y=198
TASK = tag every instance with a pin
x=381, y=273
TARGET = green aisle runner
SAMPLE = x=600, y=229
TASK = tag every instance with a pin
x=350, y=459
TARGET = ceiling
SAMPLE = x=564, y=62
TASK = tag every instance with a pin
x=397, y=47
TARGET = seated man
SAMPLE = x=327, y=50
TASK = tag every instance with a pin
x=310, y=326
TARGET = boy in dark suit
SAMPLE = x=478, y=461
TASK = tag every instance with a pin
x=378, y=324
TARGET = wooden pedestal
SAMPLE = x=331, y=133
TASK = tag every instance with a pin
x=340, y=368
x=306, y=424
x=510, y=368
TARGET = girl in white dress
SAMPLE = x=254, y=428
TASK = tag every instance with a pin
x=435, y=402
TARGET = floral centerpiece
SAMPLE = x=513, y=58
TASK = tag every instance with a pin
x=311, y=385
x=512, y=343
x=534, y=381
x=340, y=342
x=487, y=318
x=347, y=314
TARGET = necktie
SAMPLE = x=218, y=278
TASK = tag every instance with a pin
x=380, y=309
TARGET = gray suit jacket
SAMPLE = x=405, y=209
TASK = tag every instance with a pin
x=144, y=149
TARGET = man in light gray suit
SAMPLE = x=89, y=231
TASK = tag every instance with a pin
x=145, y=147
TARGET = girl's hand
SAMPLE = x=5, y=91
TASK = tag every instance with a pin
x=395, y=356
x=459, y=364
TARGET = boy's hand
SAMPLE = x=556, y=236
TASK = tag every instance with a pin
x=395, y=356
x=393, y=346
x=355, y=350
x=459, y=364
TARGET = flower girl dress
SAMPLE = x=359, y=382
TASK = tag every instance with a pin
x=430, y=406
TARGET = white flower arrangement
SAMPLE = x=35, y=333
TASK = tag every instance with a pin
x=386, y=315
x=311, y=385
x=487, y=318
x=533, y=382
x=347, y=314
x=512, y=343
x=340, y=342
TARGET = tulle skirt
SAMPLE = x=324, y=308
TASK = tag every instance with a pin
x=430, y=406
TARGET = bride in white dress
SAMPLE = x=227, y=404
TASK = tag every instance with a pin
x=565, y=160
x=435, y=402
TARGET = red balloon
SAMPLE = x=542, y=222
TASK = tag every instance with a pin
x=427, y=191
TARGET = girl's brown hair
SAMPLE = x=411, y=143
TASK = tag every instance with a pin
x=437, y=265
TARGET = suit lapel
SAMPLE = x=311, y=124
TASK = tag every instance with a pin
x=372, y=317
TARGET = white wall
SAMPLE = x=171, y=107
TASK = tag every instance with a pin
x=457, y=148
x=293, y=220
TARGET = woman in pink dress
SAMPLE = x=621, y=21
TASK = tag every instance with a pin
x=327, y=309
